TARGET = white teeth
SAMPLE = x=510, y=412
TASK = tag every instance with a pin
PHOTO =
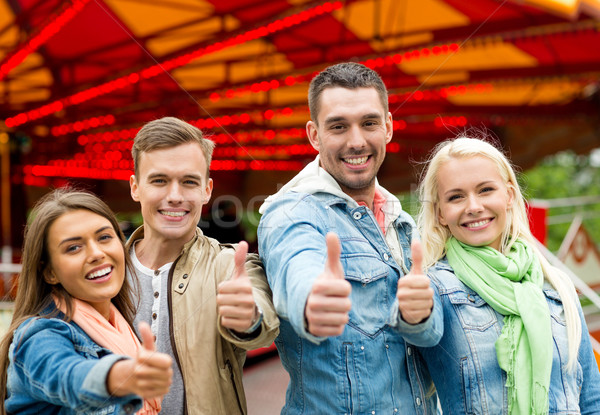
x=357, y=161
x=99, y=273
x=173, y=214
x=477, y=224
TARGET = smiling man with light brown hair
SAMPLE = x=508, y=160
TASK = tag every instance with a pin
x=207, y=303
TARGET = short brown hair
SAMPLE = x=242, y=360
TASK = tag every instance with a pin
x=347, y=75
x=169, y=132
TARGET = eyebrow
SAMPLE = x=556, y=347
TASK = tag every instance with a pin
x=187, y=176
x=486, y=182
x=338, y=118
x=77, y=238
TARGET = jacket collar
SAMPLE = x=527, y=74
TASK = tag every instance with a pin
x=314, y=179
x=139, y=234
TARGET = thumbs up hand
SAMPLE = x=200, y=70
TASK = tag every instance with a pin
x=415, y=296
x=149, y=375
x=328, y=303
x=235, y=301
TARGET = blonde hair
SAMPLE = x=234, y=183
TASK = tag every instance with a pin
x=434, y=235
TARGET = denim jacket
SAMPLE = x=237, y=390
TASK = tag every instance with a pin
x=55, y=368
x=373, y=367
x=464, y=366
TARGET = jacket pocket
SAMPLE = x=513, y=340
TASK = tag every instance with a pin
x=350, y=391
x=370, y=295
x=467, y=384
x=234, y=385
x=556, y=306
x=472, y=310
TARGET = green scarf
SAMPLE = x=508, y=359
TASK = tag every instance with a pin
x=512, y=285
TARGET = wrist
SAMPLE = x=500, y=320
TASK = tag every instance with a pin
x=256, y=321
x=116, y=380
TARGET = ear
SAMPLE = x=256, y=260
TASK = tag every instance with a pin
x=389, y=128
x=511, y=196
x=313, y=134
x=208, y=190
x=133, y=188
x=49, y=276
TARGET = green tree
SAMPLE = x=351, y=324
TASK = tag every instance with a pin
x=561, y=176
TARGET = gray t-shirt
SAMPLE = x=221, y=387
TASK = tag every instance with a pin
x=153, y=309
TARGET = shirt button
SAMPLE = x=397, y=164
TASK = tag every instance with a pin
x=181, y=285
x=156, y=294
x=387, y=346
x=395, y=409
x=362, y=347
x=154, y=316
x=185, y=276
x=156, y=272
x=386, y=257
x=409, y=351
x=418, y=401
x=128, y=408
x=357, y=215
x=373, y=412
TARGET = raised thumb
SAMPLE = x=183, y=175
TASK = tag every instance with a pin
x=333, y=266
x=240, y=259
x=147, y=336
x=417, y=257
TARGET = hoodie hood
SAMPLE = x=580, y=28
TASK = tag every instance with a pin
x=314, y=179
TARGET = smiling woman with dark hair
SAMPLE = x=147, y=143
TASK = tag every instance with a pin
x=70, y=347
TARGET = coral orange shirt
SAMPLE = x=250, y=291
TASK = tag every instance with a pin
x=378, y=202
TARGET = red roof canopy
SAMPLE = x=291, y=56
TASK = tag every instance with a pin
x=95, y=71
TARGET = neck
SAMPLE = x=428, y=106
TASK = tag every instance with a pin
x=103, y=309
x=365, y=195
x=154, y=254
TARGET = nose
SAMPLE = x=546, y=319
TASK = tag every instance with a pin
x=356, y=140
x=473, y=205
x=174, y=195
x=96, y=252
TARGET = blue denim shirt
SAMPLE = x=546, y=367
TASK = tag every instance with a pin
x=373, y=367
x=55, y=368
x=464, y=366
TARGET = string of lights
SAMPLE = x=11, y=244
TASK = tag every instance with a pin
x=12, y=60
x=168, y=65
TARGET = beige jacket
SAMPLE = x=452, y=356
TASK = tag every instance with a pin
x=209, y=356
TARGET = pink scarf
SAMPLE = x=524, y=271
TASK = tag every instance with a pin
x=114, y=334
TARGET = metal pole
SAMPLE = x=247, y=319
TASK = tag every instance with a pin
x=5, y=210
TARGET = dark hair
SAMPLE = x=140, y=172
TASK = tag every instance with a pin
x=169, y=132
x=348, y=75
x=34, y=294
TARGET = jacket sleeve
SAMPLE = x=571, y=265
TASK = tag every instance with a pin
x=46, y=365
x=589, y=398
x=269, y=328
x=291, y=238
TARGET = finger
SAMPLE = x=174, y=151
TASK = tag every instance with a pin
x=228, y=291
x=327, y=330
x=334, y=249
x=414, y=282
x=147, y=336
x=240, y=260
x=417, y=257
